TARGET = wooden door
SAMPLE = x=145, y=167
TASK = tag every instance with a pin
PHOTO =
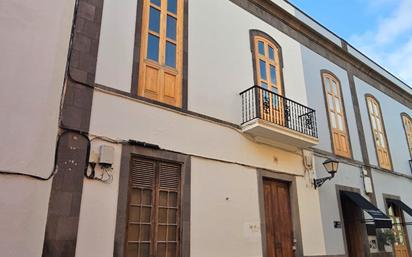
x=279, y=228
x=354, y=229
x=269, y=79
x=161, y=55
x=399, y=230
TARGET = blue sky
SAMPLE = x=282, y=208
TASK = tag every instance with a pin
x=382, y=29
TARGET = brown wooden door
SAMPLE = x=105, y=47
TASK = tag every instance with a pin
x=354, y=229
x=399, y=230
x=279, y=228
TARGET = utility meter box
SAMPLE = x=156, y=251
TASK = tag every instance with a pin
x=106, y=155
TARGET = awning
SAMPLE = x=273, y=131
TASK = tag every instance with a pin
x=401, y=205
x=380, y=218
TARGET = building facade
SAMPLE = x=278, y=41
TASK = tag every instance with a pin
x=197, y=128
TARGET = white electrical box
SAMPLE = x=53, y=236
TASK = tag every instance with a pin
x=106, y=155
x=368, y=185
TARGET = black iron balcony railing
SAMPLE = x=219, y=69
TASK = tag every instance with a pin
x=258, y=102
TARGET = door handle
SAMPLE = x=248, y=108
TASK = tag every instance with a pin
x=294, y=245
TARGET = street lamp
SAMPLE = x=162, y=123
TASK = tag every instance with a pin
x=331, y=166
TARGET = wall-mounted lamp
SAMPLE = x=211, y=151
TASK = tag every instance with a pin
x=331, y=166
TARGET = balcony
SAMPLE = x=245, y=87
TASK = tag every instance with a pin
x=276, y=120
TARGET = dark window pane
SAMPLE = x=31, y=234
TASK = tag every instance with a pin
x=146, y=214
x=135, y=196
x=262, y=65
x=144, y=250
x=133, y=231
x=134, y=214
x=261, y=48
x=271, y=53
x=171, y=218
x=154, y=20
x=161, y=250
x=156, y=2
x=273, y=74
x=171, y=250
x=153, y=48
x=132, y=250
x=171, y=55
x=162, y=215
x=163, y=198
x=161, y=233
x=171, y=27
x=172, y=6
x=172, y=199
x=171, y=233
x=144, y=232
x=147, y=197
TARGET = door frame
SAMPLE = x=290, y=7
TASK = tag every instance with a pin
x=339, y=190
x=395, y=197
x=291, y=180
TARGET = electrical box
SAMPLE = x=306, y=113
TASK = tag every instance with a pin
x=106, y=155
x=368, y=185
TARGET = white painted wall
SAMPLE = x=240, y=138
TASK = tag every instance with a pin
x=310, y=218
x=393, y=185
x=220, y=60
x=313, y=64
x=120, y=117
x=214, y=80
x=23, y=213
x=220, y=227
x=349, y=176
x=34, y=44
x=391, y=111
x=97, y=221
x=115, y=55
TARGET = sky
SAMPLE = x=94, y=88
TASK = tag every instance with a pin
x=381, y=29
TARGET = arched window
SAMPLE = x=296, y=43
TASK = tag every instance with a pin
x=407, y=124
x=378, y=131
x=336, y=114
x=267, y=59
x=161, y=54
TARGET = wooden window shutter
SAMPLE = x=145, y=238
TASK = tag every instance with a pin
x=154, y=209
x=336, y=115
x=161, y=54
x=378, y=131
x=407, y=124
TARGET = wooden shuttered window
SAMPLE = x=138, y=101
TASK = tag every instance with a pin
x=378, y=131
x=154, y=209
x=407, y=124
x=336, y=113
x=161, y=55
x=269, y=76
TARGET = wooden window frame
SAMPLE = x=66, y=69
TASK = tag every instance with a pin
x=408, y=141
x=367, y=97
x=386, y=198
x=349, y=155
x=254, y=34
x=129, y=152
x=137, y=58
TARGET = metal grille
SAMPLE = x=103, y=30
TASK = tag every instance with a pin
x=260, y=103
